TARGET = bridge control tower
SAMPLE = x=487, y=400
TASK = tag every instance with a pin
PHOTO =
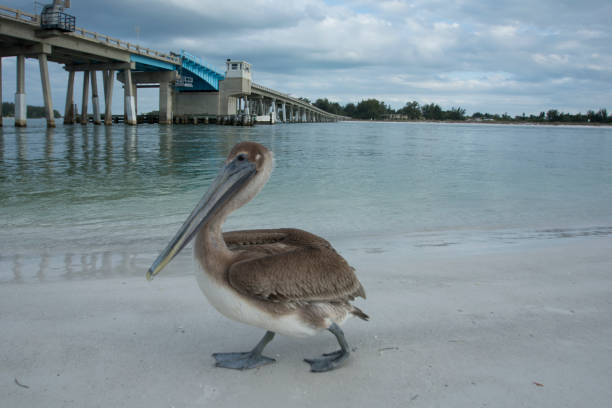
x=238, y=76
x=236, y=85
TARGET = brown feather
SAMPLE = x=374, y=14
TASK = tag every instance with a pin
x=289, y=265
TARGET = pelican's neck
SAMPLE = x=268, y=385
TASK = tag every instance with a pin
x=210, y=249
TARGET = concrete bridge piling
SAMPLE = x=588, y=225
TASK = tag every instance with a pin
x=94, y=98
x=20, y=101
x=0, y=91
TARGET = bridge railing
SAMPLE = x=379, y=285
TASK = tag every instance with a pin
x=272, y=91
x=295, y=100
x=92, y=35
x=19, y=15
x=190, y=57
x=34, y=19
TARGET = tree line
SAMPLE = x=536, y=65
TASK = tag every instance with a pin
x=8, y=110
x=373, y=109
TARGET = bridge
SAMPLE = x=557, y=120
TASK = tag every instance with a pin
x=188, y=88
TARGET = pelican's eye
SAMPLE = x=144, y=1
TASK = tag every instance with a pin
x=241, y=157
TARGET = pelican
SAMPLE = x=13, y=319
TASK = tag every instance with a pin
x=285, y=281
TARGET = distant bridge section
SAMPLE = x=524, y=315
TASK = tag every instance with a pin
x=187, y=86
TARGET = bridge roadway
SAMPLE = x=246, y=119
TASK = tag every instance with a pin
x=182, y=78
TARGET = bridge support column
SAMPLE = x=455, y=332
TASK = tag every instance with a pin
x=246, y=105
x=261, y=107
x=165, y=103
x=69, y=108
x=274, y=117
x=85, y=99
x=94, y=98
x=135, y=94
x=129, y=100
x=20, y=100
x=284, y=112
x=46, y=88
x=0, y=91
x=109, y=83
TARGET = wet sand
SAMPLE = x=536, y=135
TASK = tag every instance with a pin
x=507, y=325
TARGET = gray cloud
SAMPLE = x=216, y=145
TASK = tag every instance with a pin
x=504, y=56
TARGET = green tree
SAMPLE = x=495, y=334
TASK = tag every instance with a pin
x=8, y=109
x=455, y=114
x=412, y=110
x=350, y=110
x=552, y=115
x=370, y=109
x=432, y=112
x=327, y=106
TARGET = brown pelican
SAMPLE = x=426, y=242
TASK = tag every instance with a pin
x=286, y=281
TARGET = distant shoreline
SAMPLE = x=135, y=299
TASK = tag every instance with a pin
x=488, y=122
x=471, y=122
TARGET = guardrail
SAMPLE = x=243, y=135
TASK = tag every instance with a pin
x=19, y=15
x=115, y=42
x=273, y=91
x=190, y=57
x=294, y=100
x=34, y=19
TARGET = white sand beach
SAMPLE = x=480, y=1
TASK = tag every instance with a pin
x=526, y=324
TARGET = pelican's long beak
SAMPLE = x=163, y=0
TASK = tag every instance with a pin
x=230, y=180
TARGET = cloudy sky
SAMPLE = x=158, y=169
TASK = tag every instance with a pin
x=489, y=56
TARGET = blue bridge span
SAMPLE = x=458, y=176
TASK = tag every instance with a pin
x=194, y=75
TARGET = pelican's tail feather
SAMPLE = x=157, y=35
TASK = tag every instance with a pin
x=360, y=314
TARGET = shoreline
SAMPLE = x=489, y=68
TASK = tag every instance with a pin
x=132, y=259
x=484, y=325
x=486, y=122
x=467, y=121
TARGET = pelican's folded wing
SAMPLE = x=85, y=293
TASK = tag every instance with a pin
x=312, y=272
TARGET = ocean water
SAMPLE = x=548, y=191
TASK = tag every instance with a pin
x=80, y=201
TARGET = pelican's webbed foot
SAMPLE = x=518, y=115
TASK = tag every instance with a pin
x=249, y=359
x=241, y=361
x=329, y=361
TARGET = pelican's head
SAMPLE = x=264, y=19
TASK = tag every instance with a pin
x=245, y=172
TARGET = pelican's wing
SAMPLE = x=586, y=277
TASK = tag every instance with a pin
x=304, y=268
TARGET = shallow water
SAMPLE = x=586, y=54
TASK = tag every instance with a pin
x=80, y=201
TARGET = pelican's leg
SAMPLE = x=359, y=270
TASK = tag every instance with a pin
x=329, y=361
x=250, y=359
